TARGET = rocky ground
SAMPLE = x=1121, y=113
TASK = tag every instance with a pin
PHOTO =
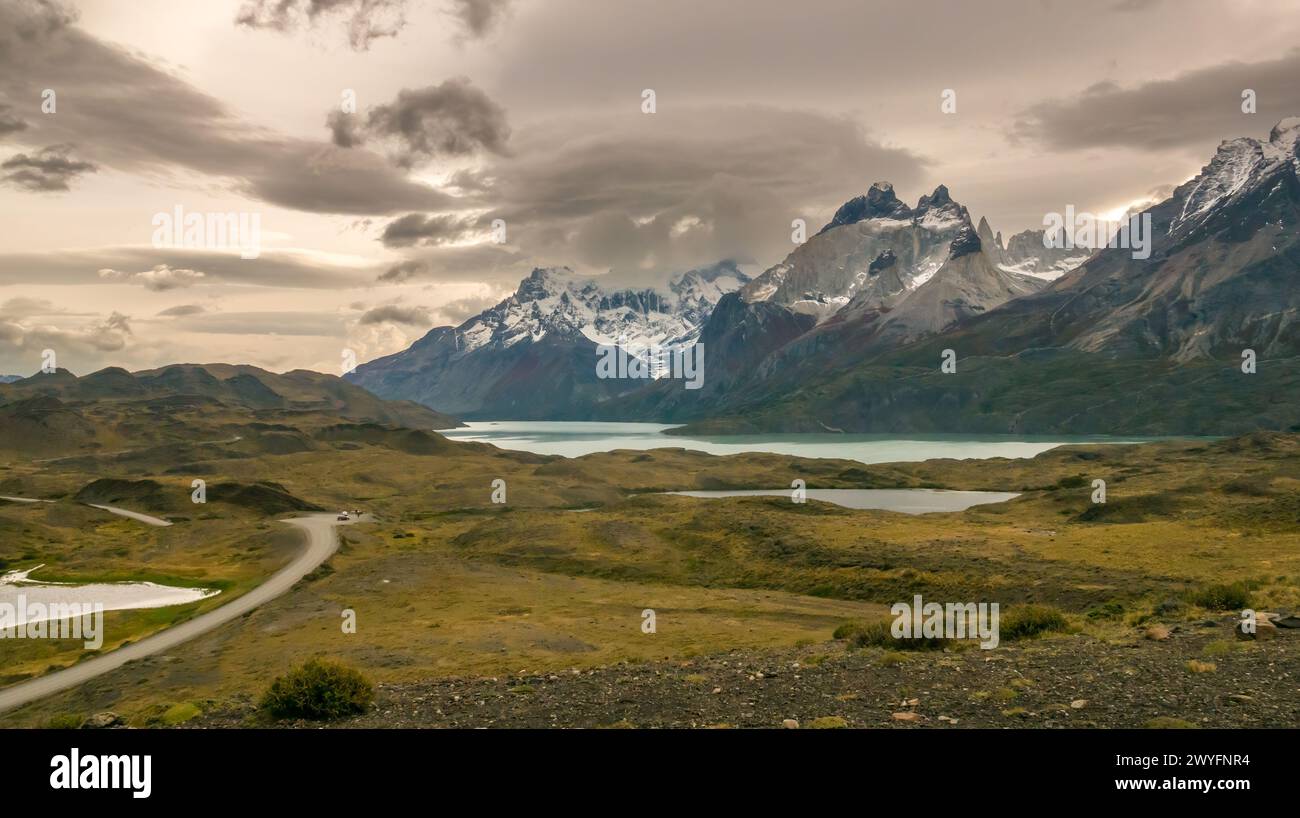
x=1191, y=674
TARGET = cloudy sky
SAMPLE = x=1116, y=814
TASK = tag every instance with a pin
x=374, y=143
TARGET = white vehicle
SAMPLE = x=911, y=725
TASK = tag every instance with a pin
x=343, y=515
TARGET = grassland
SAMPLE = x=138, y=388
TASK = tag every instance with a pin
x=448, y=584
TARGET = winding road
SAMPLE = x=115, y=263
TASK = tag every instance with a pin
x=322, y=541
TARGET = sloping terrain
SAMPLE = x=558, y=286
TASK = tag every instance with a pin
x=1123, y=344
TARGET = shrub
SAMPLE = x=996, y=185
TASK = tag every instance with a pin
x=1169, y=607
x=1221, y=647
x=1169, y=723
x=1232, y=597
x=892, y=658
x=879, y=634
x=847, y=630
x=828, y=723
x=1109, y=610
x=1027, y=621
x=319, y=689
x=65, y=721
x=180, y=713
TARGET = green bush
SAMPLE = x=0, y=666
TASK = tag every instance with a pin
x=1234, y=597
x=1030, y=620
x=65, y=721
x=848, y=630
x=319, y=689
x=1108, y=610
x=879, y=634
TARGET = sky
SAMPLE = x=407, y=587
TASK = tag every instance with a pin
x=388, y=166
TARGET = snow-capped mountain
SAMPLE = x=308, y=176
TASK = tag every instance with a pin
x=1222, y=275
x=537, y=347
x=1027, y=253
x=818, y=341
x=968, y=284
x=868, y=235
x=891, y=275
x=555, y=301
x=1196, y=332
x=1238, y=169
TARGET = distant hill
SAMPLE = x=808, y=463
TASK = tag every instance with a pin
x=42, y=424
x=239, y=386
x=187, y=405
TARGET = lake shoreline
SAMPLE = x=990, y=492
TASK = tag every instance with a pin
x=579, y=438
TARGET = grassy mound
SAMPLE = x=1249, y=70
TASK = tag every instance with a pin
x=318, y=690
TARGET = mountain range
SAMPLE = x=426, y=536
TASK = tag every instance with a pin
x=848, y=332
x=533, y=355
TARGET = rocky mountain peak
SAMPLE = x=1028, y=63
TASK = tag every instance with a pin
x=545, y=282
x=1239, y=168
x=1286, y=136
x=939, y=198
x=880, y=202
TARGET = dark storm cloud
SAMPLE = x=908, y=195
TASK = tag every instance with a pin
x=1194, y=110
x=663, y=193
x=403, y=271
x=49, y=169
x=9, y=122
x=479, y=17
x=475, y=262
x=417, y=229
x=130, y=115
x=396, y=314
x=452, y=119
x=30, y=20
x=462, y=308
x=263, y=323
x=181, y=310
x=367, y=20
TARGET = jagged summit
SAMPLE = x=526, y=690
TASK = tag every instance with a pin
x=879, y=202
x=939, y=198
x=523, y=357
x=1239, y=168
x=1285, y=133
x=869, y=233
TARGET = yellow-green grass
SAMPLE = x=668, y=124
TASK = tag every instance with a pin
x=78, y=544
x=448, y=583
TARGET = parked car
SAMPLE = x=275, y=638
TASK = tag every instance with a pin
x=343, y=515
